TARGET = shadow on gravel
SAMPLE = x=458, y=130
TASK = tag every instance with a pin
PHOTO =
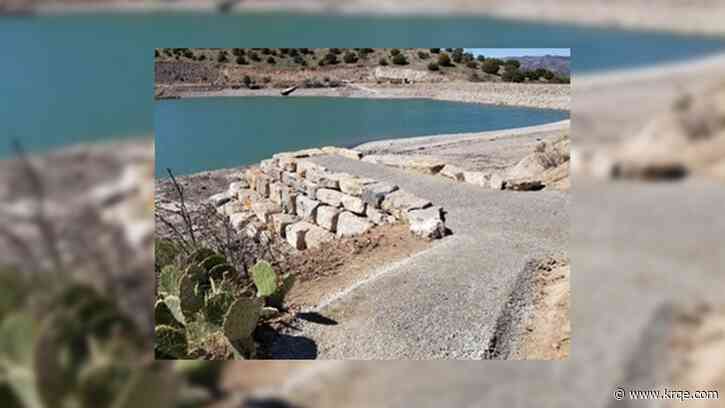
x=314, y=317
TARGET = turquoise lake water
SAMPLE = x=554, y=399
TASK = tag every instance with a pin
x=198, y=134
x=71, y=79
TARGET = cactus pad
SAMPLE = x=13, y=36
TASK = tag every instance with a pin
x=264, y=278
x=199, y=255
x=222, y=271
x=169, y=280
x=277, y=298
x=217, y=306
x=163, y=315
x=170, y=342
x=190, y=301
x=241, y=319
x=211, y=261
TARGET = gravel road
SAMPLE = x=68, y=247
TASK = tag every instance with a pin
x=443, y=303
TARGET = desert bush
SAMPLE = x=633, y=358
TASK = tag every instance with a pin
x=434, y=50
x=433, y=66
x=350, y=57
x=512, y=74
x=457, y=55
x=394, y=52
x=490, y=66
x=335, y=51
x=512, y=63
x=473, y=77
x=241, y=60
x=254, y=56
x=331, y=58
x=247, y=81
x=449, y=49
x=271, y=60
x=156, y=53
x=472, y=64
x=266, y=51
x=480, y=58
x=222, y=57
x=423, y=55
x=444, y=60
x=238, y=51
x=299, y=60
x=383, y=61
x=400, y=59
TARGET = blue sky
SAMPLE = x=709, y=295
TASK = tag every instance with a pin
x=518, y=52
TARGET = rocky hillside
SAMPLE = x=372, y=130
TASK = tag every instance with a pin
x=553, y=63
x=330, y=67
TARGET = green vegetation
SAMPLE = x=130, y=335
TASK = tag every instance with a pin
x=383, y=61
x=399, y=59
x=271, y=60
x=423, y=55
x=490, y=66
x=350, y=57
x=241, y=60
x=433, y=66
x=394, y=52
x=444, y=60
x=434, y=50
x=204, y=310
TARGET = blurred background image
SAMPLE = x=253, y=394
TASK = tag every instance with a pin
x=76, y=206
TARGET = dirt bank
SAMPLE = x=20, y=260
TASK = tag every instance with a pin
x=545, y=96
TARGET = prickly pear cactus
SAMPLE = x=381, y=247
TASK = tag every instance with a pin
x=169, y=280
x=199, y=255
x=241, y=318
x=265, y=279
x=216, y=307
x=189, y=291
x=174, y=305
x=163, y=315
x=211, y=261
x=277, y=298
x=170, y=342
x=16, y=359
x=222, y=272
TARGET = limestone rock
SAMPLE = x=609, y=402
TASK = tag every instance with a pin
x=275, y=193
x=295, y=234
x=262, y=185
x=378, y=217
x=230, y=208
x=477, y=178
x=398, y=202
x=354, y=185
x=309, y=188
x=353, y=204
x=340, y=151
x=316, y=236
x=305, y=166
x=236, y=187
x=220, y=199
x=427, y=223
x=349, y=225
x=496, y=181
x=330, y=197
x=323, y=179
x=247, y=197
x=420, y=164
x=281, y=221
x=373, y=194
x=287, y=164
x=268, y=165
x=452, y=172
x=289, y=200
x=327, y=217
x=306, y=207
x=264, y=210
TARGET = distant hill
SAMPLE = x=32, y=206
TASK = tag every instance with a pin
x=553, y=63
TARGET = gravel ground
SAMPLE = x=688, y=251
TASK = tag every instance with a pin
x=443, y=303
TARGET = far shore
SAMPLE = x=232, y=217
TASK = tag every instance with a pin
x=543, y=96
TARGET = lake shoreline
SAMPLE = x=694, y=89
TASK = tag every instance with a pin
x=539, y=96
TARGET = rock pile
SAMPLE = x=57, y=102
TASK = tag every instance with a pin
x=308, y=205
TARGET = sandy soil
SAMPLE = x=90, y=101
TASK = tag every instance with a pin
x=548, y=334
x=547, y=96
